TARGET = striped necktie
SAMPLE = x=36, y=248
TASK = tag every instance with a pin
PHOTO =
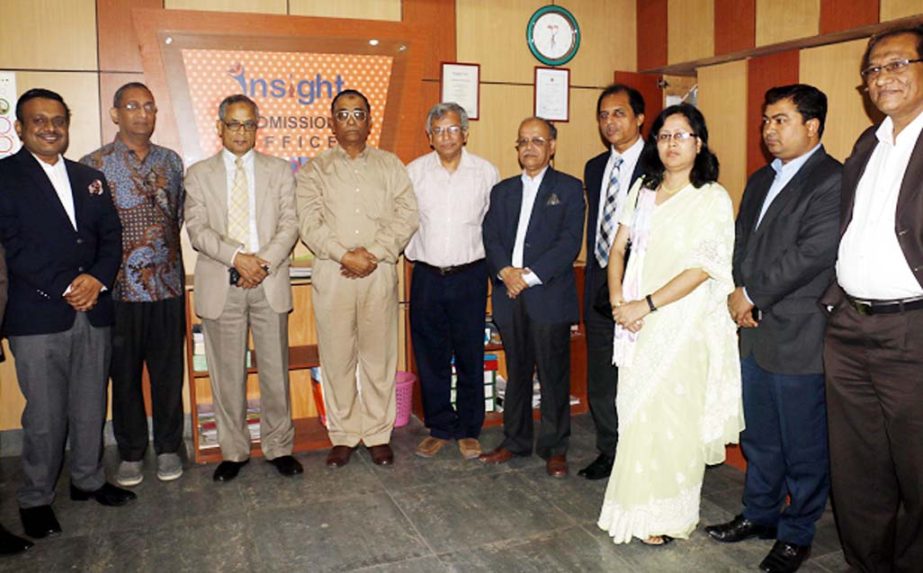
x=608, y=224
x=239, y=206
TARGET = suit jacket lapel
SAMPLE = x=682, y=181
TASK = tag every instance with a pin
x=218, y=185
x=853, y=170
x=544, y=193
x=43, y=183
x=79, y=194
x=792, y=189
x=913, y=177
x=261, y=178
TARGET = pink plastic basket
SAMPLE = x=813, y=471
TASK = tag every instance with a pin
x=403, y=388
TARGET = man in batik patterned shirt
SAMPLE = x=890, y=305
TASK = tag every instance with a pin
x=147, y=188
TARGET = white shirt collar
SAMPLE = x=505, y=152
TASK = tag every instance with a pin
x=230, y=158
x=631, y=154
x=885, y=131
x=795, y=164
x=537, y=180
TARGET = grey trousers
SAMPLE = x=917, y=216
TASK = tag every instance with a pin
x=225, y=348
x=63, y=377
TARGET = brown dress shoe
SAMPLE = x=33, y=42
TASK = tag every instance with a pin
x=430, y=446
x=470, y=448
x=382, y=455
x=500, y=455
x=557, y=466
x=339, y=456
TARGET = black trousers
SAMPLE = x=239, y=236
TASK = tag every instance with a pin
x=601, y=375
x=446, y=320
x=531, y=346
x=874, y=369
x=149, y=333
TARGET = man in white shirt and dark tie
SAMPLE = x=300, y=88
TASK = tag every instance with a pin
x=448, y=295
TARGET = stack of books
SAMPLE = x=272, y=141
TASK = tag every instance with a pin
x=491, y=365
x=208, y=429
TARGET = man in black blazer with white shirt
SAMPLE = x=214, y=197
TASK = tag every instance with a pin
x=784, y=252
x=608, y=177
x=532, y=233
x=63, y=244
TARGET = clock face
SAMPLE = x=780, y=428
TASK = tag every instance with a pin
x=553, y=35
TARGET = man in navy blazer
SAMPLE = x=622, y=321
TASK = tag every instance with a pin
x=532, y=233
x=784, y=252
x=608, y=177
x=63, y=244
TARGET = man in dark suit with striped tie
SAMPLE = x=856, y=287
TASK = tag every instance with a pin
x=608, y=177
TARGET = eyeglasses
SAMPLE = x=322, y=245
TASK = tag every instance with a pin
x=871, y=73
x=536, y=141
x=678, y=137
x=236, y=126
x=452, y=130
x=40, y=121
x=343, y=115
x=149, y=107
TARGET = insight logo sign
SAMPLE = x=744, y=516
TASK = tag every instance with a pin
x=305, y=90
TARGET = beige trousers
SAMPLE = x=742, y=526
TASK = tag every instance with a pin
x=357, y=325
x=225, y=347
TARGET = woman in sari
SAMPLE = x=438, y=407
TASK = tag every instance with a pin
x=679, y=398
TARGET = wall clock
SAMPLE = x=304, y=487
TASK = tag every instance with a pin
x=553, y=35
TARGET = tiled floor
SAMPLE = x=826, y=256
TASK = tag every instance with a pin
x=443, y=514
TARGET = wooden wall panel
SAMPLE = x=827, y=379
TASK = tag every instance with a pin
x=81, y=92
x=607, y=41
x=763, y=73
x=48, y=34
x=578, y=140
x=838, y=15
x=735, y=25
x=255, y=6
x=691, y=27
x=11, y=399
x=438, y=18
x=894, y=9
x=365, y=10
x=118, y=47
x=834, y=69
x=652, y=38
x=494, y=136
x=723, y=101
x=783, y=20
x=494, y=35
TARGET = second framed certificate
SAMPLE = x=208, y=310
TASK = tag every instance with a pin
x=552, y=93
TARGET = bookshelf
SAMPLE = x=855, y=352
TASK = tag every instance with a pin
x=310, y=434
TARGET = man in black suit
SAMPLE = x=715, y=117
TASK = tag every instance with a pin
x=63, y=249
x=532, y=234
x=785, y=248
x=608, y=177
x=874, y=346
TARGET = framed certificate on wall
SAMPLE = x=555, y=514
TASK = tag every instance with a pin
x=461, y=83
x=552, y=93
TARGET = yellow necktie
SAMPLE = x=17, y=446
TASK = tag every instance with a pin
x=239, y=208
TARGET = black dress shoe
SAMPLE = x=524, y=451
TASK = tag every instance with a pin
x=287, y=465
x=227, y=470
x=108, y=494
x=785, y=557
x=39, y=521
x=739, y=529
x=600, y=468
x=10, y=544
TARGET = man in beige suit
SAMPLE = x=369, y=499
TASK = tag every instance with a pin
x=357, y=211
x=240, y=214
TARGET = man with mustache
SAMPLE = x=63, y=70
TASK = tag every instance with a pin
x=532, y=235
x=63, y=246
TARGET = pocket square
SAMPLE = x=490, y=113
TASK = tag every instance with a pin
x=553, y=200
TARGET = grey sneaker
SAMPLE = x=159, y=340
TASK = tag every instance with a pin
x=169, y=467
x=129, y=474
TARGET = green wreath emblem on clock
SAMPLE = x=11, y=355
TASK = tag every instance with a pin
x=553, y=35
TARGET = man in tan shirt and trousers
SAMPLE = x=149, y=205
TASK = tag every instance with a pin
x=357, y=211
